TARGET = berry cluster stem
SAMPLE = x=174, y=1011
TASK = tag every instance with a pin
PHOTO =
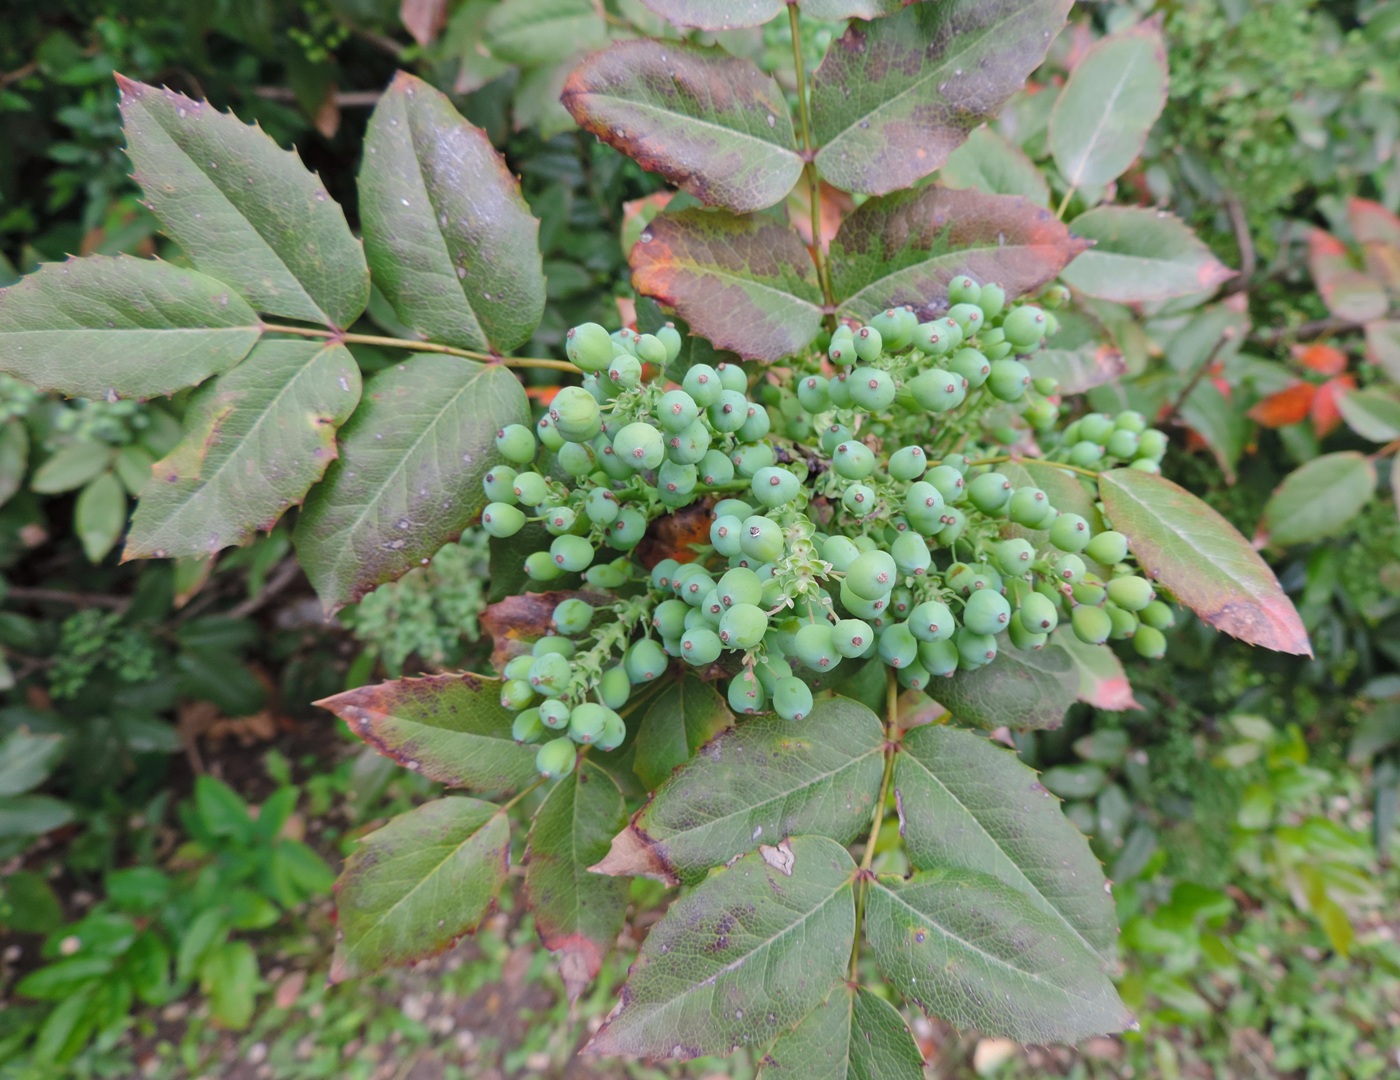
x=862, y=883
x=809, y=169
x=344, y=338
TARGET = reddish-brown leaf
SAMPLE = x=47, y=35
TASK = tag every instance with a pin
x=904, y=248
x=1289, y=406
x=1324, y=359
x=424, y=19
x=1325, y=414
x=517, y=621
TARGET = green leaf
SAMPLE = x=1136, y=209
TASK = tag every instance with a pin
x=1383, y=346
x=990, y=163
x=894, y=97
x=1220, y=423
x=452, y=243
x=854, y=1036
x=29, y=904
x=710, y=123
x=31, y=815
x=1021, y=690
x=221, y=811
x=1181, y=542
x=1102, y=681
x=1079, y=781
x=71, y=467
x=26, y=760
x=1319, y=500
x=737, y=14
x=1350, y=293
x=14, y=457
x=741, y=957
x=413, y=888
x=450, y=728
x=745, y=283
x=754, y=784
x=578, y=914
x=1140, y=256
x=1113, y=97
x=540, y=32
x=904, y=248
x=538, y=106
x=105, y=327
x=255, y=441
x=975, y=952
x=100, y=516
x=1373, y=413
x=685, y=717
x=229, y=977
x=408, y=478
x=244, y=210
x=56, y=981
x=969, y=804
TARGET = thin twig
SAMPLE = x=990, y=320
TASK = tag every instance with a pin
x=343, y=338
x=283, y=576
x=1308, y=331
x=1196, y=377
x=345, y=99
x=809, y=168
x=1248, y=260
x=61, y=596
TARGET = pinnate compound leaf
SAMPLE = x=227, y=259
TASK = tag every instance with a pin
x=971, y=950
x=578, y=914
x=1349, y=292
x=114, y=326
x=243, y=209
x=411, y=889
x=989, y=162
x=541, y=32
x=755, y=784
x=408, y=478
x=1141, y=255
x=1113, y=97
x=967, y=804
x=450, y=728
x=710, y=123
x=740, y=958
x=894, y=97
x=255, y=441
x=904, y=248
x=1183, y=543
x=1319, y=500
x=745, y=283
x=450, y=238
x=1021, y=690
x=680, y=721
x=854, y=1036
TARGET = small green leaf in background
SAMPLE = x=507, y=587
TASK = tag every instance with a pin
x=1141, y=255
x=1383, y=346
x=740, y=958
x=991, y=164
x=967, y=803
x=26, y=760
x=28, y=903
x=1183, y=543
x=412, y=888
x=228, y=977
x=221, y=811
x=534, y=32
x=1220, y=423
x=105, y=326
x=71, y=467
x=32, y=815
x=99, y=517
x=450, y=238
x=243, y=209
x=681, y=720
x=1373, y=413
x=1113, y=97
x=14, y=456
x=1348, y=291
x=904, y=248
x=745, y=283
x=1319, y=499
x=854, y=1036
x=755, y=784
x=538, y=106
x=710, y=123
x=1022, y=690
x=255, y=441
x=578, y=914
x=408, y=478
x=894, y=97
x=976, y=953
x=1081, y=781
x=451, y=728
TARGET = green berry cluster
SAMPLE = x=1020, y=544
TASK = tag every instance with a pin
x=855, y=506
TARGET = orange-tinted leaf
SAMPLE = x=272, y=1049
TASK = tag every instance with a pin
x=1289, y=406
x=1324, y=359
x=833, y=204
x=1348, y=292
x=1372, y=223
x=1325, y=414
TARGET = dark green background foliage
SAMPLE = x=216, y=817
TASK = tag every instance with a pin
x=172, y=809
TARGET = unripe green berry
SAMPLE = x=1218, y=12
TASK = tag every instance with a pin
x=939, y=658
x=858, y=499
x=1013, y=557
x=1025, y=327
x=644, y=661
x=518, y=667
x=986, y=612
x=516, y=694
x=908, y=463
x=972, y=365
x=911, y=555
x=992, y=300
x=1149, y=642
x=627, y=530
x=839, y=551
x=516, y=443
x=676, y=411
x=556, y=758
x=550, y=674
x=853, y=460
x=761, y=538
x=852, y=637
x=531, y=489
x=963, y=290
x=743, y=626
x=1108, y=548
x=571, y=553
x=896, y=326
x=1122, y=445
x=872, y=388
x=527, y=727
x=559, y=519
x=1125, y=623
x=668, y=617
x=989, y=492
x=700, y=646
x=774, y=487
x=601, y=506
x=1038, y=613
x=670, y=337
x=756, y=426
x=869, y=344
x=815, y=646
x=576, y=414
x=640, y=445
x=1008, y=380
x=588, y=346
x=1158, y=615
x=540, y=566
x=746, y=693
x=792, y=698
x=974, y=650
x=553, y=714
x=1152, y=445
x=499, y=484
x=1091, y=625
x=1130, y=592
x=651, y=350
x=733, y=377
x=968, y=316
x=898, y=646
x=626, y=371
x=501, y=520
x=703, y=384
x=949, y=482
x=1085, y=454
x=939, y=391
x=1070, y=532
x=587, y=721
x=872, y=575
x=1025, y=639
x=1069, y=568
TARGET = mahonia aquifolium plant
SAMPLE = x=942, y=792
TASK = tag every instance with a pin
x=856, y=510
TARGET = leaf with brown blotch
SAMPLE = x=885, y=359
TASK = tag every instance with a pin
x=517, y=621
x=1348, y=292
x=710, y=123
x=904, y=248
x=1187, y=546
x=450, y=728
x=894, y=97
x=745, y=283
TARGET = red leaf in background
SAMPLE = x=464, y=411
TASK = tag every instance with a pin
x=1372, y=223
x=1324, y=359
x=1348, y=292
x=1325, y=414
x=1289, y=406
